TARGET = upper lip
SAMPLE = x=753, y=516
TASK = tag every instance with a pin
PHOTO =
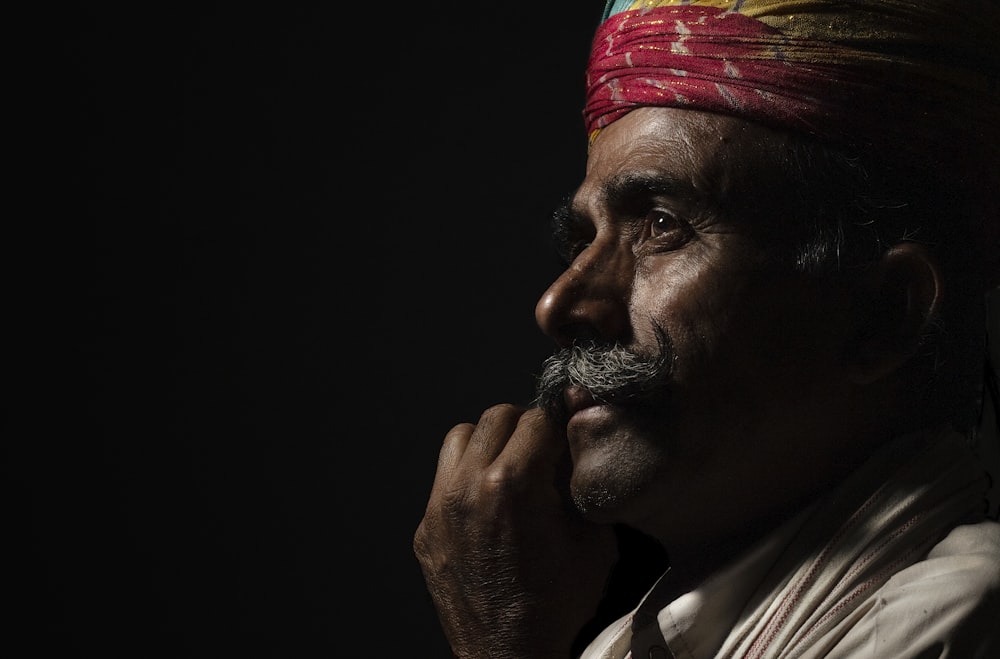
x=577, y=398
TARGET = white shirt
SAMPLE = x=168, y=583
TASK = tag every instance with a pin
x=888, y=567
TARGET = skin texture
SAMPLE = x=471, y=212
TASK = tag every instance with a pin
x=679, y=226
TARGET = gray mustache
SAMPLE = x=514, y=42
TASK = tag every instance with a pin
x=611, y=373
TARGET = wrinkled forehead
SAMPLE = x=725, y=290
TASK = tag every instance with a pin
x=721, y=164
x=704, y=149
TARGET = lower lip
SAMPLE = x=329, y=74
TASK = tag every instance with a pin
x=589, y=414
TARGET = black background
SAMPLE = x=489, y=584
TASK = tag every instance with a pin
x=276, y=253
x=279, y=252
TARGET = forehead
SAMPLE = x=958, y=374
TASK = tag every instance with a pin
x=727, y=160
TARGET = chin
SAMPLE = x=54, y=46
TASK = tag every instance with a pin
x=619, y=464
x=601, y=510
x=606, y=488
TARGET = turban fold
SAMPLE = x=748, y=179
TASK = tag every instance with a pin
x=918, y=75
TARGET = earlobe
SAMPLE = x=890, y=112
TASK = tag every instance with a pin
x=904, y=291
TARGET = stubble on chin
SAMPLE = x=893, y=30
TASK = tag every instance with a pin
x=608, y=477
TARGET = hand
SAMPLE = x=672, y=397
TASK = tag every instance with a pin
x=512, y=568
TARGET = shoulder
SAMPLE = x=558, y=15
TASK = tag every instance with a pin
x=944, y=605
x=969, y=550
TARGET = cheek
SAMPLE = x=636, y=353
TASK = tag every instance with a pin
x=692, y=302
x=670, y=291
x=739, y=332
x=797, y=328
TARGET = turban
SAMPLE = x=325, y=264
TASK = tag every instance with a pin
x=913, y=77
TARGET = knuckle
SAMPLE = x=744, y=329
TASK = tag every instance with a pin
x=500, y=481
x=500, y=412
x=460, y=431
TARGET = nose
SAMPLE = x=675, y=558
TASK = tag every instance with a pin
x=589, y=301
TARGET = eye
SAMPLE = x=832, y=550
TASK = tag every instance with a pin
x=661, y=222
x=665, y=231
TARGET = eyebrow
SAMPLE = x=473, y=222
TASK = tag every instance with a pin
x=623, y=190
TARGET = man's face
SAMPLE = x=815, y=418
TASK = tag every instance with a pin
x=675, y=241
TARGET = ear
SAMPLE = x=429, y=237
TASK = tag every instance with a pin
x=904, y=291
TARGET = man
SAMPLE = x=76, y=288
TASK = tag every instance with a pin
x=771, y=347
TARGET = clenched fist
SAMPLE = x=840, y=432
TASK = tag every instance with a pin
x=512, y=568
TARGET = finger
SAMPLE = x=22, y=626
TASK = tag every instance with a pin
x=494, y=429
x=536, y=442
x=450, y=455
